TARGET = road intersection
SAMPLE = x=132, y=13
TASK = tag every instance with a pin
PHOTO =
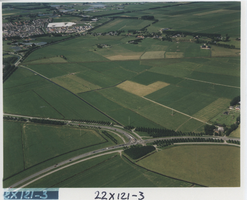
x=107, y=150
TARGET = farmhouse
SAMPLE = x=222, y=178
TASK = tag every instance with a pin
x=205, y=46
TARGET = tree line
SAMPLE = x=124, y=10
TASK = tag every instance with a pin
x=137, y=151
x=110, y=136
x=46, y=121
x=164, y=143
x=158, y=132
x=184, y=33
x=8, y=72
x=92, y=121
x=233, y=141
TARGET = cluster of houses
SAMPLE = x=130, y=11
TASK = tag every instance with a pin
x=25, y=29
x=67, y=29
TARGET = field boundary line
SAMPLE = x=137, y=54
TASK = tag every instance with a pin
x=128, y=108
x=49, y=104
x=73, y=94
x=211, y=83
x=160, y=173
x=176, y=110
x=182, y=124
x=22, y=144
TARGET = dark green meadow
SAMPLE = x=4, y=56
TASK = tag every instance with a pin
x=37, y=146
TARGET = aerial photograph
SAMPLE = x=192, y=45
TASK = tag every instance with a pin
x=121, y=94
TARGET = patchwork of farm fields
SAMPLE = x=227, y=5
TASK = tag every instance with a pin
x=176, y=89
x=142, y=65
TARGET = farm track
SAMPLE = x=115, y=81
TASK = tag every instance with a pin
x=73, y=94
x=176, y=111
x=211, y=83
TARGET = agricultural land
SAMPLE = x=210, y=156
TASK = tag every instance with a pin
x=121, y=94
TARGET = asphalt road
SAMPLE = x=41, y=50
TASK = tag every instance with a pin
x=91, y=154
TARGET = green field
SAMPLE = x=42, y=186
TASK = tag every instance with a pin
x=228, y=119
x=38, y=146
x=123, y=24
x=164, y=80
x=39, y=97
x=114, y=171
x=120, y=113
x=13, y=149
x=199, y=164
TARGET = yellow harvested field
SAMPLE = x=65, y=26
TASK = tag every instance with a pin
x=153, y=54
x=220, y=51
x=174, y=55
x=216, y=11
x=74, y=83
x=141, y=90
x=126, y=56
x=212, y=109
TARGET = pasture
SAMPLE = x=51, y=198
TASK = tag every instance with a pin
x=35, y=96
x=13, y=149
x=115, y=171
x=37, y=148
x=123, y=24
x=211, y=110
x=145, y=108
x=120, y=113
x=74, y=83
x=199, y=164
x=57, y=59
x=226, y=116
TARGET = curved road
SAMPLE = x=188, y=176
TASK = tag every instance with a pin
x=132, y=141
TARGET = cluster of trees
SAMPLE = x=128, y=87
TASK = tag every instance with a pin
x=129, y=127
x=110, y=136
x=115, y=17
x=164, y=143
x=147, y=17
x=136, y=41
x=235, y=101
x=232, y=127
x=234, y=141
x=209, y=129
x=15, y=118
x=46, y=121
x=213, y=42
x=92, y=121
x=157, y=132
x=184, y=33
x=137, y=151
